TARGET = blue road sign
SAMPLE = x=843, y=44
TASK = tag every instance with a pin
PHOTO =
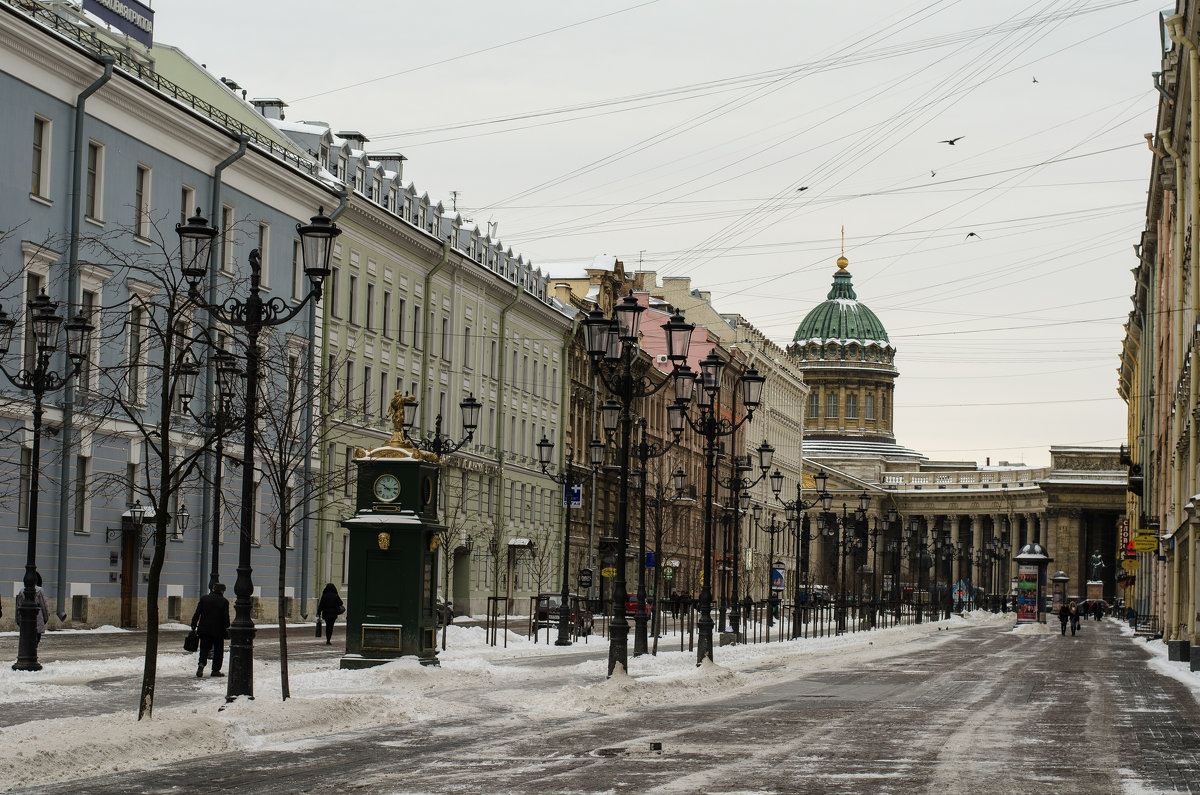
x=573, y=495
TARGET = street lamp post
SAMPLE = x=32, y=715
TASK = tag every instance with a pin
x=712, y=427
x=894, y=548
x=252, y=314
x=739, y=485
x=794, y=512
x=565, y=479
x=874, y=533
x=645, y=451
x=42, y=322
x=770, y=529
x=612, y=345
x=439, y=443
x=218, y=420
x=844, y=536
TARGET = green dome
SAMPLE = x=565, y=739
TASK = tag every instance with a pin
x=841, y=317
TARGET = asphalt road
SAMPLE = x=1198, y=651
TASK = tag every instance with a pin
x=983, y=710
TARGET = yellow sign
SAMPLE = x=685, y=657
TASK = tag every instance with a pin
x=1129, y=564
x=1145, y=543
x=608, y=571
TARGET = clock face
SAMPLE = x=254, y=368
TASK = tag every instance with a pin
x=387, y=488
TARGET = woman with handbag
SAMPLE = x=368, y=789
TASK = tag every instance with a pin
x=329, y=608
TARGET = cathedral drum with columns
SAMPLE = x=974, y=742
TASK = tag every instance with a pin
x=968, y=522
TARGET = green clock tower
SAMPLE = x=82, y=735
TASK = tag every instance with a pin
x=393, y=546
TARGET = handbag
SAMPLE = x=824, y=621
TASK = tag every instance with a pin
x=341, y=609
x=191, y=642
x=318, y=626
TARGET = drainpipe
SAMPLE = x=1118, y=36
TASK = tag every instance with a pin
x=73, y=300
x=207, y=521
x=306, y=519
x=427, y=330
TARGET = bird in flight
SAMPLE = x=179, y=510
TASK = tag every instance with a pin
x=1035, y=79
x=800, y=189
x=952, y=140
x=972, y=234
x=933, y=173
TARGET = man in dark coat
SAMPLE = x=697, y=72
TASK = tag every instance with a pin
x=210, y=622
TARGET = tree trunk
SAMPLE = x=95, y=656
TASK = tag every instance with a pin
x=150, y=669
x=282, y=611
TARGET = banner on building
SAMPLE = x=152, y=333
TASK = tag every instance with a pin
x=130, y=17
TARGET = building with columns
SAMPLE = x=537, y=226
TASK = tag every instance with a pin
x=965, y=522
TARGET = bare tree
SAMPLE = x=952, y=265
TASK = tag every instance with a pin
x=288, y=448
x=154, y=329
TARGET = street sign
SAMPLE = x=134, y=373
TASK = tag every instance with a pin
x=609, y=572
x=572, y=495
x=585, y=579
x=668, y=572
x=1143, y=543
x=1130, y=564
x=776, y=579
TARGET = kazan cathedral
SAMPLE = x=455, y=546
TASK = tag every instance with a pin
x=957, y=524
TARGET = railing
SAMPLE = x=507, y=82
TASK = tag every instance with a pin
x=146, y=74
x=1025, y=476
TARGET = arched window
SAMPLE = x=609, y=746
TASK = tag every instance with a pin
x=831, y=405
x=814, y=405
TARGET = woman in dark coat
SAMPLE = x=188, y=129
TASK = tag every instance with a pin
x=1064, y=615
x=330, y=607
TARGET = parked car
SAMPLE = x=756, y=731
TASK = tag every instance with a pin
x=546, y=611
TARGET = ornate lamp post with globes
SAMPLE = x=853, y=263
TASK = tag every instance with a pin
x=739, y=485
x=42, y=323
x=711, y=427
x=564, y=478
x=794, y=513
x=252, y=314
x=612, y=345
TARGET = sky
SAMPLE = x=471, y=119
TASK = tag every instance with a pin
x=732, y=143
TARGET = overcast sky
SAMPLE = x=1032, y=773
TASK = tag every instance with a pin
x=679, y=134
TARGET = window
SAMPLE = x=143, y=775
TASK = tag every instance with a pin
x=256, y=525
x=345, y=559
x=366, y=395
x=870, y=406
x=400, y=309
x=446, y=339
x=383, y=393
x=93, y=191
x=490, y=364
x=831, y=405
x=141, y=202
x=417, y=326
x=33, y=286
x=352, y=299
x=370, y=309
x=298, y=291
x=385, y=323
x=187, y=203
x=814, y=405
x=466, y=347
x=227, y=239
x=348, y=483
x=335, y=275
x=883, y=408
x=264, y=251
x=23, y=497
x=88, y=308
x=131, y=473
x=851, y=407
x=349, y=383
x=135, y=346
x=331, y=385
x=39, y=184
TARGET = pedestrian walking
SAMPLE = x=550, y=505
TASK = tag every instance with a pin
x=1073, y=611
x=43, y=608
x=330, y=607
x=1098, y=609
x=211, y=623
x=1064, y=615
